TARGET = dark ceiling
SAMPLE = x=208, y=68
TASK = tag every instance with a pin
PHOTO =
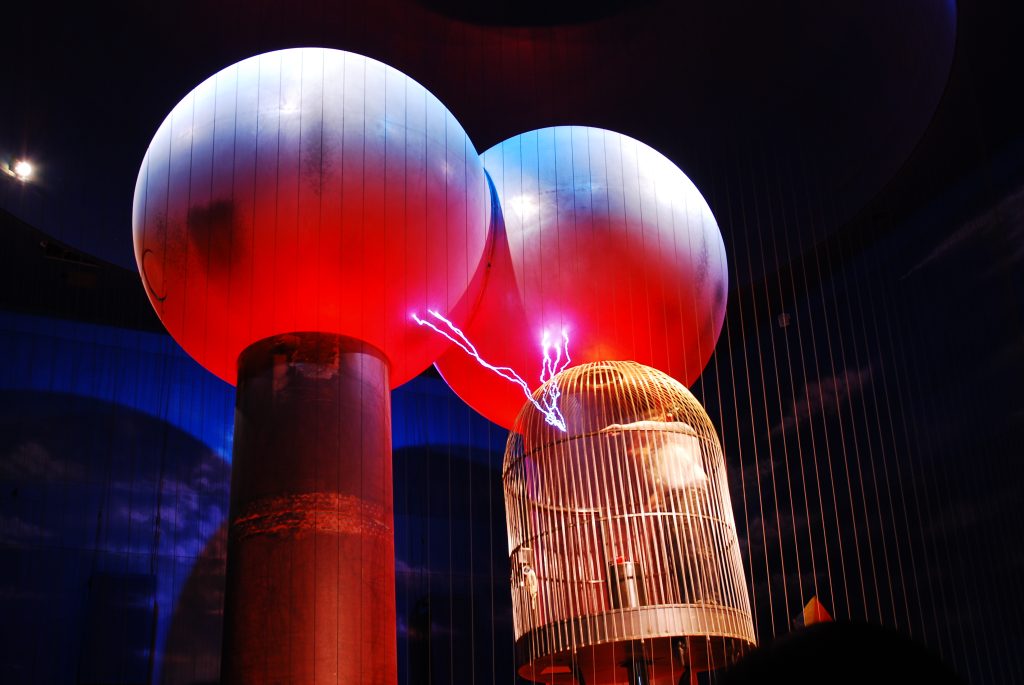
x=808, y=99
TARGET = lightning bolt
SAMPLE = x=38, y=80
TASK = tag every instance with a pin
x=556, y=359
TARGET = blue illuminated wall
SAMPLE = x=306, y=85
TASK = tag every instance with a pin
x=114, y=477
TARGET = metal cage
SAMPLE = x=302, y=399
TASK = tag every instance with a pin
x=625, y=565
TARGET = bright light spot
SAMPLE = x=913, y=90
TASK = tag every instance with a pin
x=289, y=107
x=525, y=206
x=556, y=359
x=23, y=170
x=670, y=185
x=552, y=366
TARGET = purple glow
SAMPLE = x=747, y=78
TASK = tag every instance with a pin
x=552, y=365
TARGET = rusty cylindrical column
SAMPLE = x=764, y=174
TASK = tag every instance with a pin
x=310, y=594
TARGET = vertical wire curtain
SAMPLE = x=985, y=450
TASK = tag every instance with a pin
x=826, y=424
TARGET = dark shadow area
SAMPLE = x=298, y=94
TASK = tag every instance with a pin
x=840, y=654
x=104, y=511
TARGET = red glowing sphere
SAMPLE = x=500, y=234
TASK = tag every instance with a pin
x=603, y=237
x=310, y=190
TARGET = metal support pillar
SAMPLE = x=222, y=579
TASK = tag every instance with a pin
x=310, y=593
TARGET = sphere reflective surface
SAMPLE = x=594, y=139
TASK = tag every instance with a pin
x=604, y=237
x=310, y=190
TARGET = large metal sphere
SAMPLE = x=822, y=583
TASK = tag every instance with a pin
x=605, y=237
x=310, y=190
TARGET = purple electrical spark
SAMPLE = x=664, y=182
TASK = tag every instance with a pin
x=552, y=366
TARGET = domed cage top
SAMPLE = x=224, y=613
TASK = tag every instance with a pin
x=625, y=564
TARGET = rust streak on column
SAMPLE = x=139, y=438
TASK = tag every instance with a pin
x=310, y=595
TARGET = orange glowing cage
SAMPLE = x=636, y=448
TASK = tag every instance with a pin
x=625, y=564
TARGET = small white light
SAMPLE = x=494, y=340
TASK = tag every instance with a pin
x=525, y=206
x=23, y=170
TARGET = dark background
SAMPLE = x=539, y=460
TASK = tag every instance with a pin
x=865, y=162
